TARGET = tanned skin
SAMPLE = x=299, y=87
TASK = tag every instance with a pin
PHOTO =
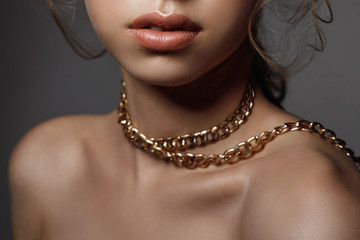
x=78, y=177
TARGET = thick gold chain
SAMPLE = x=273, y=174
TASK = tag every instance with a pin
x=201, y=138
x=170, y=148
x=241, y=151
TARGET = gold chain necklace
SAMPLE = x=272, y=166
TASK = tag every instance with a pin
x=169, y=148
x=201, y=138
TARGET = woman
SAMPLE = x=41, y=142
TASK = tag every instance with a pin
x=186, y=65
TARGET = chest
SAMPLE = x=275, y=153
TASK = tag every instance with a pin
x=209, y=207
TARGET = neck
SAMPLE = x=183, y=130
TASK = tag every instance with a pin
x=159, y=111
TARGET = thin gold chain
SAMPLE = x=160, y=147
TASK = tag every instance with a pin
x=243, y=150
x=201, y=138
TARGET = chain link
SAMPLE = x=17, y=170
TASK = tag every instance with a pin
x=170, y=148
x=243, y=150
x=201, y=138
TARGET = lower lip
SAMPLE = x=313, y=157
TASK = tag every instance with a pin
x=163, y=41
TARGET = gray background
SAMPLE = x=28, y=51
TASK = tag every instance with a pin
x=41, y=78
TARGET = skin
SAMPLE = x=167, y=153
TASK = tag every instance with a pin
x=78, y=177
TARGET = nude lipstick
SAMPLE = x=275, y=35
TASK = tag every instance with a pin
x=161, y=33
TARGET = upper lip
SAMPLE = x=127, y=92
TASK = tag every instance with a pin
x=171, y=22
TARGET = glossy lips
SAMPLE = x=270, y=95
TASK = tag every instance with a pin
x=164, y=33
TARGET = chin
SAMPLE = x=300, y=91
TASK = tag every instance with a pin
x=164, y=77
x=172, y=69
x=164, y=71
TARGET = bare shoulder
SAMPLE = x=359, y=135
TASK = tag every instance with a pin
x=58, y=146
x=60, y=138
x=307, y=189
x=47, y=161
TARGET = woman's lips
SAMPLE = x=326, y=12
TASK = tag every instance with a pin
x=164, y=33
x=163, y=41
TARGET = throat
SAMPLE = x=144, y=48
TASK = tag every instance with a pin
x=163, y=111
x=168, y=113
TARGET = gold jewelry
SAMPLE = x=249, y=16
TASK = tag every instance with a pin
x=201, y=138
x=162, y=149
x=243, y=150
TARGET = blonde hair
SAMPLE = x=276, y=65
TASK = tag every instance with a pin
x=301, y=26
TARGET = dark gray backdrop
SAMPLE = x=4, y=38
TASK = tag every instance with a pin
x=41, y=78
